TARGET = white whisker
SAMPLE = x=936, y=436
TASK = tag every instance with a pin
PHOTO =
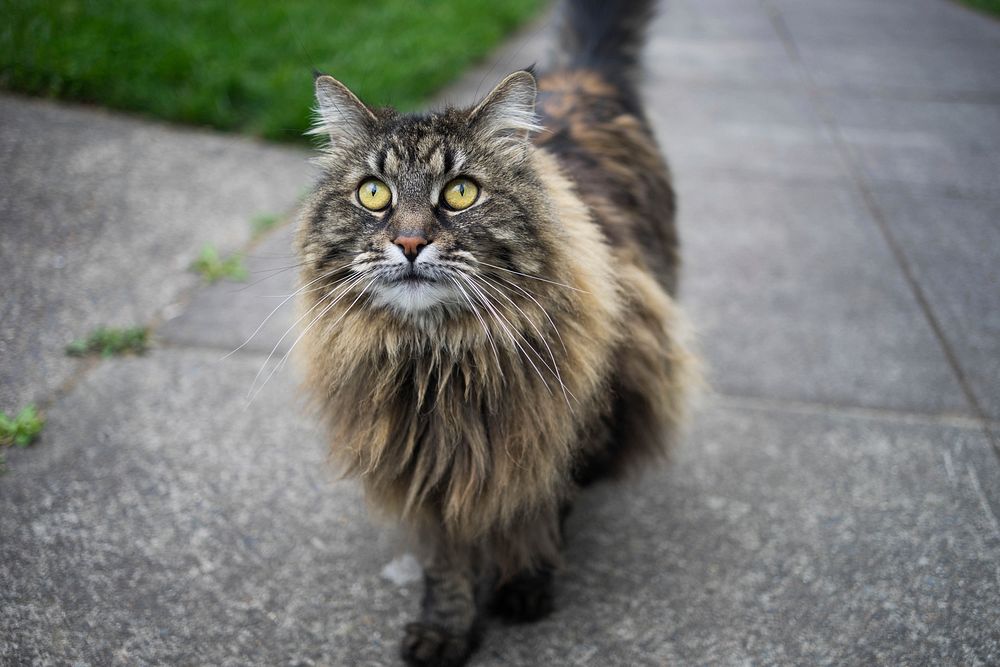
x=269, y=315
x=485, y=300
x=528, y=275
x=482, y=322
x=343, y=290
x=554, y=368
x=516, y=329
x=325, y=310
x=526, y=292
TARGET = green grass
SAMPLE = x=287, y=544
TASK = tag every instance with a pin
x=988, y=6
x=213, y=268
x=244, y=65
x=109, y=342
x=20, y=430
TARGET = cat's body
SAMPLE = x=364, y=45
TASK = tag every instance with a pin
x=479, y=363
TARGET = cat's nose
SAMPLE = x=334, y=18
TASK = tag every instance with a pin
x=411, y=245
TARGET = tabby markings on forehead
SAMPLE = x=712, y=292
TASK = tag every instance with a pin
x=458, y=157
x=426, y=146
x=449, y=160
x=428, y=153
x=376, y=163
x=435, y=161
x=391, y=163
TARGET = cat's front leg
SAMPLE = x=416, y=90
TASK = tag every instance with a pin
x=446, y=633
x=527, y=595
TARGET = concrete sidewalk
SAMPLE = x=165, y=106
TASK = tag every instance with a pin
x=836, y=501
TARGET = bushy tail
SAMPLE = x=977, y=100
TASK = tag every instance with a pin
x=605, y=34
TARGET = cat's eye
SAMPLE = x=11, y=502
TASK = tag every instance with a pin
x=460, y=194
x=374, y=195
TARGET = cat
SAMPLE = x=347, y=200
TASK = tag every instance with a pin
x=487, y=296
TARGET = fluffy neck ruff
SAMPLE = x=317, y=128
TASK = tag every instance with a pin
x=471, y=422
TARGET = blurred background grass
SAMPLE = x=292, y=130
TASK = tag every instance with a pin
x=244, y=65
x=991, y=6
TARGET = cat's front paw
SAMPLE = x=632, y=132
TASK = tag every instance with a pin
x=525, y=598
x=428, y=645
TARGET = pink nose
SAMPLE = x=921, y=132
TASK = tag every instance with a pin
x=410, y=245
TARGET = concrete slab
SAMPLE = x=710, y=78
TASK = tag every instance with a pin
x=160, y=521
x=919, y=70
x=102, y=215
x=953, y=247
x=922, y=50
x=709, y=20
x=941, y=147
x=740, y=63
x=715, y=129
x=900, y=24
x=925, y=49
x=723, y=41
x=797, y=297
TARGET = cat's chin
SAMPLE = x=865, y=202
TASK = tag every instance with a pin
x=413, y=297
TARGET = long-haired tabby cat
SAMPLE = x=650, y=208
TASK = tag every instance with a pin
x=490, y=322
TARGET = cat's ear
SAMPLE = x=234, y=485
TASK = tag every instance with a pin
x=339, y=113
x=508, y=112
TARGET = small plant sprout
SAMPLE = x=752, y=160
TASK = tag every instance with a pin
x=263, y=223
x=213, y=268
x=20, y=430
x=110, y=342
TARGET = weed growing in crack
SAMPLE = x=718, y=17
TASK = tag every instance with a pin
x=110, y=342
x=213, y=268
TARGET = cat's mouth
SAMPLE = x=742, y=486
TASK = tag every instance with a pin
x=411, y=290
x=411, y=277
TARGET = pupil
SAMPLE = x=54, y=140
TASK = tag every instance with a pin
x=461, y=189
x=373, y=189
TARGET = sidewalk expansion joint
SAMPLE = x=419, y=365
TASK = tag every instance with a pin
x=820, y=408
x=223, y=351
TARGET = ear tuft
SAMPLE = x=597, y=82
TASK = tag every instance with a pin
x=339, y=113
x=508, y=112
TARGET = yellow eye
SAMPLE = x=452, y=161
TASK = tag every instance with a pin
x=374, y=194
x=460, y=193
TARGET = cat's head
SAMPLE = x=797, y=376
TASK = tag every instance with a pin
x=424, y=209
